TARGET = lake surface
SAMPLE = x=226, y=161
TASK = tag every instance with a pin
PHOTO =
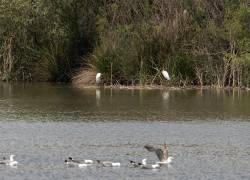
x=208, y=131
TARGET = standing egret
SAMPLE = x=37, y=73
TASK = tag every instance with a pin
x=98, y=78
x=165, y=74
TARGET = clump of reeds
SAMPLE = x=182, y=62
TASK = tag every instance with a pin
x=84, y=77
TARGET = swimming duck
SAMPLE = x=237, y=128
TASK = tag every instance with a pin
x=162, y=154
x=74, y=164
x=85, y=161
x=10, y=162
x=71, y=162
x=3, y=161
x=135, y=164
x=109, y=163
x=149, y=166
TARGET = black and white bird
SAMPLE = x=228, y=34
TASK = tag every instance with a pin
x=10, y=162
x=144, y=165
x=109, y=163
x=162, y=154
x=70, y=163
x=85, y=161
x=149, y=166
x=135, y=164
x=80, y=163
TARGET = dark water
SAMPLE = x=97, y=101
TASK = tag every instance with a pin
x=208, y=131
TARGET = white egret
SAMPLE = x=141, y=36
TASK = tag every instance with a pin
x=165, y=74
x=98, y=78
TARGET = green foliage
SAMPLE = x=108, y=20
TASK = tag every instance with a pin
x=129, y=41
x=49, y=37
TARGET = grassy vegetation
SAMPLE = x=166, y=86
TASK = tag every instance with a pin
x=128, y=41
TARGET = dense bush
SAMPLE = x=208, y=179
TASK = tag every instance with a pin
x=44, y=40
x=128, y=41
x=198, y=42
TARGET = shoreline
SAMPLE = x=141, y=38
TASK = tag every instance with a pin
x=158, y=87
x=136, y=87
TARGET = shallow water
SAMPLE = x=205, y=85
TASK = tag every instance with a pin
x=208, y=131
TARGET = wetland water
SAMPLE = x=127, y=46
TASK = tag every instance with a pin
x=208, y=131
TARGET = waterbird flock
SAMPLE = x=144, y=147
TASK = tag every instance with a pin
x=162, y=155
